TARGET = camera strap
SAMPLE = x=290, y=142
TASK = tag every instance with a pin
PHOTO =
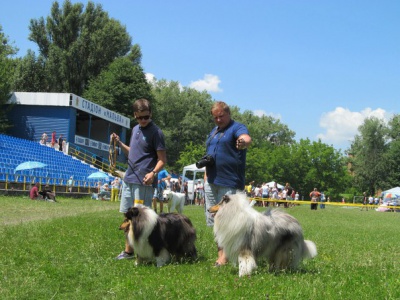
x=221, y=134
x=213, y=135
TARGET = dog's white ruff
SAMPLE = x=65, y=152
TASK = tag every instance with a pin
x=176, y=201
x=245, y=235
x=142, y=245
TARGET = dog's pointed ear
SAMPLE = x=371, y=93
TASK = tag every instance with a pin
x=131, y=213
x=135, y=211
x=128, y=215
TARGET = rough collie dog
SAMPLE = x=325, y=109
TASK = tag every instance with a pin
x=176, y=201
x=159, y=237
x=247, y=235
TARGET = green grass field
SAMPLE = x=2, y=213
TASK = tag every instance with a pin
x=66, y=250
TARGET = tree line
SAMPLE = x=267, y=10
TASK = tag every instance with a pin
x=84, y=51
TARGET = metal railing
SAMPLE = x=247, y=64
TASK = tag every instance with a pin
x=24, y=183
x=92, y=159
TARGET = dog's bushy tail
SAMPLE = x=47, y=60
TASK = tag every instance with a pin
x=309, y=250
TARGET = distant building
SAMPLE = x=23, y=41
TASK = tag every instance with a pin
x=80, y=121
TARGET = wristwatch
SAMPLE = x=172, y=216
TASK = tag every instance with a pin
x=154, y=172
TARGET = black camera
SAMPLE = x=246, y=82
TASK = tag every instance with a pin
x=205, y=161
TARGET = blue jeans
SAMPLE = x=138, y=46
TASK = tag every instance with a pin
x=213, y=195
x=322, y=204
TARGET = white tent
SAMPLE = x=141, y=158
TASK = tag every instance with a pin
x=271, y=184
x=194, y=169
x=395, y=192
x=192, y=176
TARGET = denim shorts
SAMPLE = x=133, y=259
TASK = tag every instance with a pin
x=134, y=194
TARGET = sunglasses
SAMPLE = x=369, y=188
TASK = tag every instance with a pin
x=143, y=118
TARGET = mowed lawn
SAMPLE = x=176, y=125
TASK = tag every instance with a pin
x=66, y=250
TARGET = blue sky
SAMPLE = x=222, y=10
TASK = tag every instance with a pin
x=321, y=67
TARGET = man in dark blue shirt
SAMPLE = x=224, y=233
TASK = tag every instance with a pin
x=146, y=157
x=226, y=144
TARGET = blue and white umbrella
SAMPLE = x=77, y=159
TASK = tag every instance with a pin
x=28, y=165
x=98, y=175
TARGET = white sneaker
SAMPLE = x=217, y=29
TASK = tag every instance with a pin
x=124, y=255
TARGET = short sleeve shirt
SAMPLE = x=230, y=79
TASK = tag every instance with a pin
x=161, y=175
x=142, y=158
x=230, y=163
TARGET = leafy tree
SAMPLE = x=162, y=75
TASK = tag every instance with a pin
x=265, y=130
x=135, y=56
x=118, y=85
x=367, y=156
x=75, y=45
x=327, y=170
x=394, y=128
x=257, y=163
x=305, y=165
x=189, y=155
x=392, y=155
x=267, y=134
x=31, y=67
x=392, y=165
x=6, y=71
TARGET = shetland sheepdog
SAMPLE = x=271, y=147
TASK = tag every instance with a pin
x=247, y=235
x=159, y=237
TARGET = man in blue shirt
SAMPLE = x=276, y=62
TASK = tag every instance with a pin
x=146, y=157
x=227, y=145
x=163, y=176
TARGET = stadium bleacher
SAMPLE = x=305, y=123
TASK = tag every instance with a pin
x=60, y=166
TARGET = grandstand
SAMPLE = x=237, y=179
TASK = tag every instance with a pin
x=60, y=167
x=80, y=121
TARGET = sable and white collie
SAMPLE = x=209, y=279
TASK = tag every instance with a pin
x=159, y=237
x=247, y=235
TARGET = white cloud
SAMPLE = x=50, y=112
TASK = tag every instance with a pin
x=151, y=78
x=210, y=83
x=260, y=113
x=341, y=125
